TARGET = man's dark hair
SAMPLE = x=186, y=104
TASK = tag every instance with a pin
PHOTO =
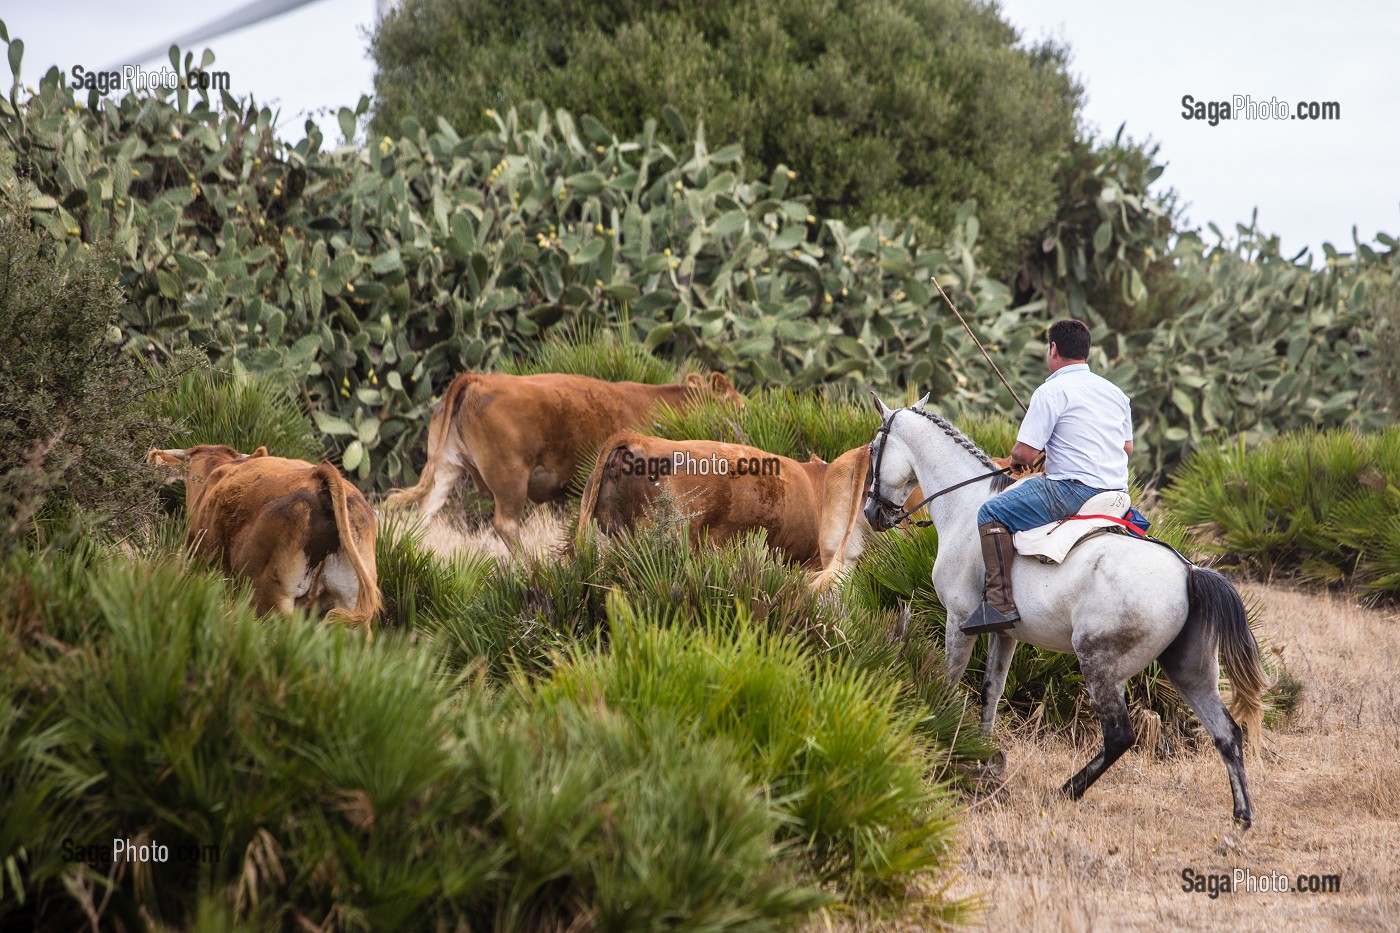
x=1071, y=337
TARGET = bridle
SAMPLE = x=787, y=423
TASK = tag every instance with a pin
x=873, y=486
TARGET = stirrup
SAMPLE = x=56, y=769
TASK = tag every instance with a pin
x=987, y=618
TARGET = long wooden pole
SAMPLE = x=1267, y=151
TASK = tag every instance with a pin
x=978, y=342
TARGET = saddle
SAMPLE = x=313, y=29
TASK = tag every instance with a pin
x=1050, y=544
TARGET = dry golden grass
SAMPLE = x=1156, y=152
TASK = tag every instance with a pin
x=544, y=529
x=1327, y=800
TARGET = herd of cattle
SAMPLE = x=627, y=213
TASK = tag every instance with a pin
x=304, y=536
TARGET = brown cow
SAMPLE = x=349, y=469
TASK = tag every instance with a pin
x=524, y=437
x=301, y=533
x=811, y=511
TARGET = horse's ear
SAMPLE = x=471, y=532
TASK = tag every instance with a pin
x=921, y=402
x=880, y=406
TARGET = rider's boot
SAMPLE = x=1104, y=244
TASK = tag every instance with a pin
x=998, y=610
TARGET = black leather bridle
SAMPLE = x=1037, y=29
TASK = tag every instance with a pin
x=873, y=486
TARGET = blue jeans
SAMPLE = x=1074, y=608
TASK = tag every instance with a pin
x=1038, y=501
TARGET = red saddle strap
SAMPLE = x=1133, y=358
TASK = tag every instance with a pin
x=1120, y=521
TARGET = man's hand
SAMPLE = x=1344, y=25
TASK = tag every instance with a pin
x=1018, y=470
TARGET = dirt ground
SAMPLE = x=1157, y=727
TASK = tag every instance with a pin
x=1326, y=801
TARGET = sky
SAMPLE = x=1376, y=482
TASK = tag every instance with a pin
x=1311, y=181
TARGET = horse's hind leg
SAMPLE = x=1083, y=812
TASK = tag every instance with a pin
x=1195, y=672
x=1106, y=695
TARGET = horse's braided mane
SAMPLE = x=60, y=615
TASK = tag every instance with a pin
x=947, y=427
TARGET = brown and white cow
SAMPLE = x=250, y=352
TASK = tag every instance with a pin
x=812, y=512
x=525, y=437
x=303, y=534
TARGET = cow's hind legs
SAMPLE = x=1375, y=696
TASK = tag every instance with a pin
x=511, y=497
x=1106, y=695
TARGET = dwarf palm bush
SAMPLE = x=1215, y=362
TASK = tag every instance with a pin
x=1319, y=505
x=603, y=353
x=632, y=826
x=241, y=410
x=420, y=588
x=825, y=422
x=357, y=786
x=837, y=750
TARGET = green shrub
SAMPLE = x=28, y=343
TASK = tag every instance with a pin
x=1321, y=505
x=837, y=750
x=241, y=410
x=825, y=422
x=72, y=430
x=600, y=353
x=359, y=786
x=950, y=106
x=422, y=590
x=633, y=825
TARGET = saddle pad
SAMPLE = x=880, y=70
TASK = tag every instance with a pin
x=1052, y=542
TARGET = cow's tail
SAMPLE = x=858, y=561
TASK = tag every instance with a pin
x=439, y=436
x=843, y=492
x=367, y=598
x=588, y=507
x=1217, y=606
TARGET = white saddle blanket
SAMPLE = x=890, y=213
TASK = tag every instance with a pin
x=1051, y=543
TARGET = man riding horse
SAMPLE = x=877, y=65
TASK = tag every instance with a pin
x=1084, y=425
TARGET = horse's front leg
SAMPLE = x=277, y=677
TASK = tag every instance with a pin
x=957, y=649
x=999, y=653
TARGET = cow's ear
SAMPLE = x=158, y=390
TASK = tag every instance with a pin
x=880, y=406
x=919, y=405
x=171, y=457
x=260, y=452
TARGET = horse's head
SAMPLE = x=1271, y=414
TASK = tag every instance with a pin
x=891, y=470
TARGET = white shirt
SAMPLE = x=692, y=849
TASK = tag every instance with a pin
x=1081, y=421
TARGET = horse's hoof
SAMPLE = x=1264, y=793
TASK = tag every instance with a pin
x=1233, y=841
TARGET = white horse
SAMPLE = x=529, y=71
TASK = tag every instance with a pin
x=1116, y=602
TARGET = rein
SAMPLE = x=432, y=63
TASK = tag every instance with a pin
x=887, y=505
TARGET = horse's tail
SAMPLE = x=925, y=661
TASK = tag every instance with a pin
x=1217, y=606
